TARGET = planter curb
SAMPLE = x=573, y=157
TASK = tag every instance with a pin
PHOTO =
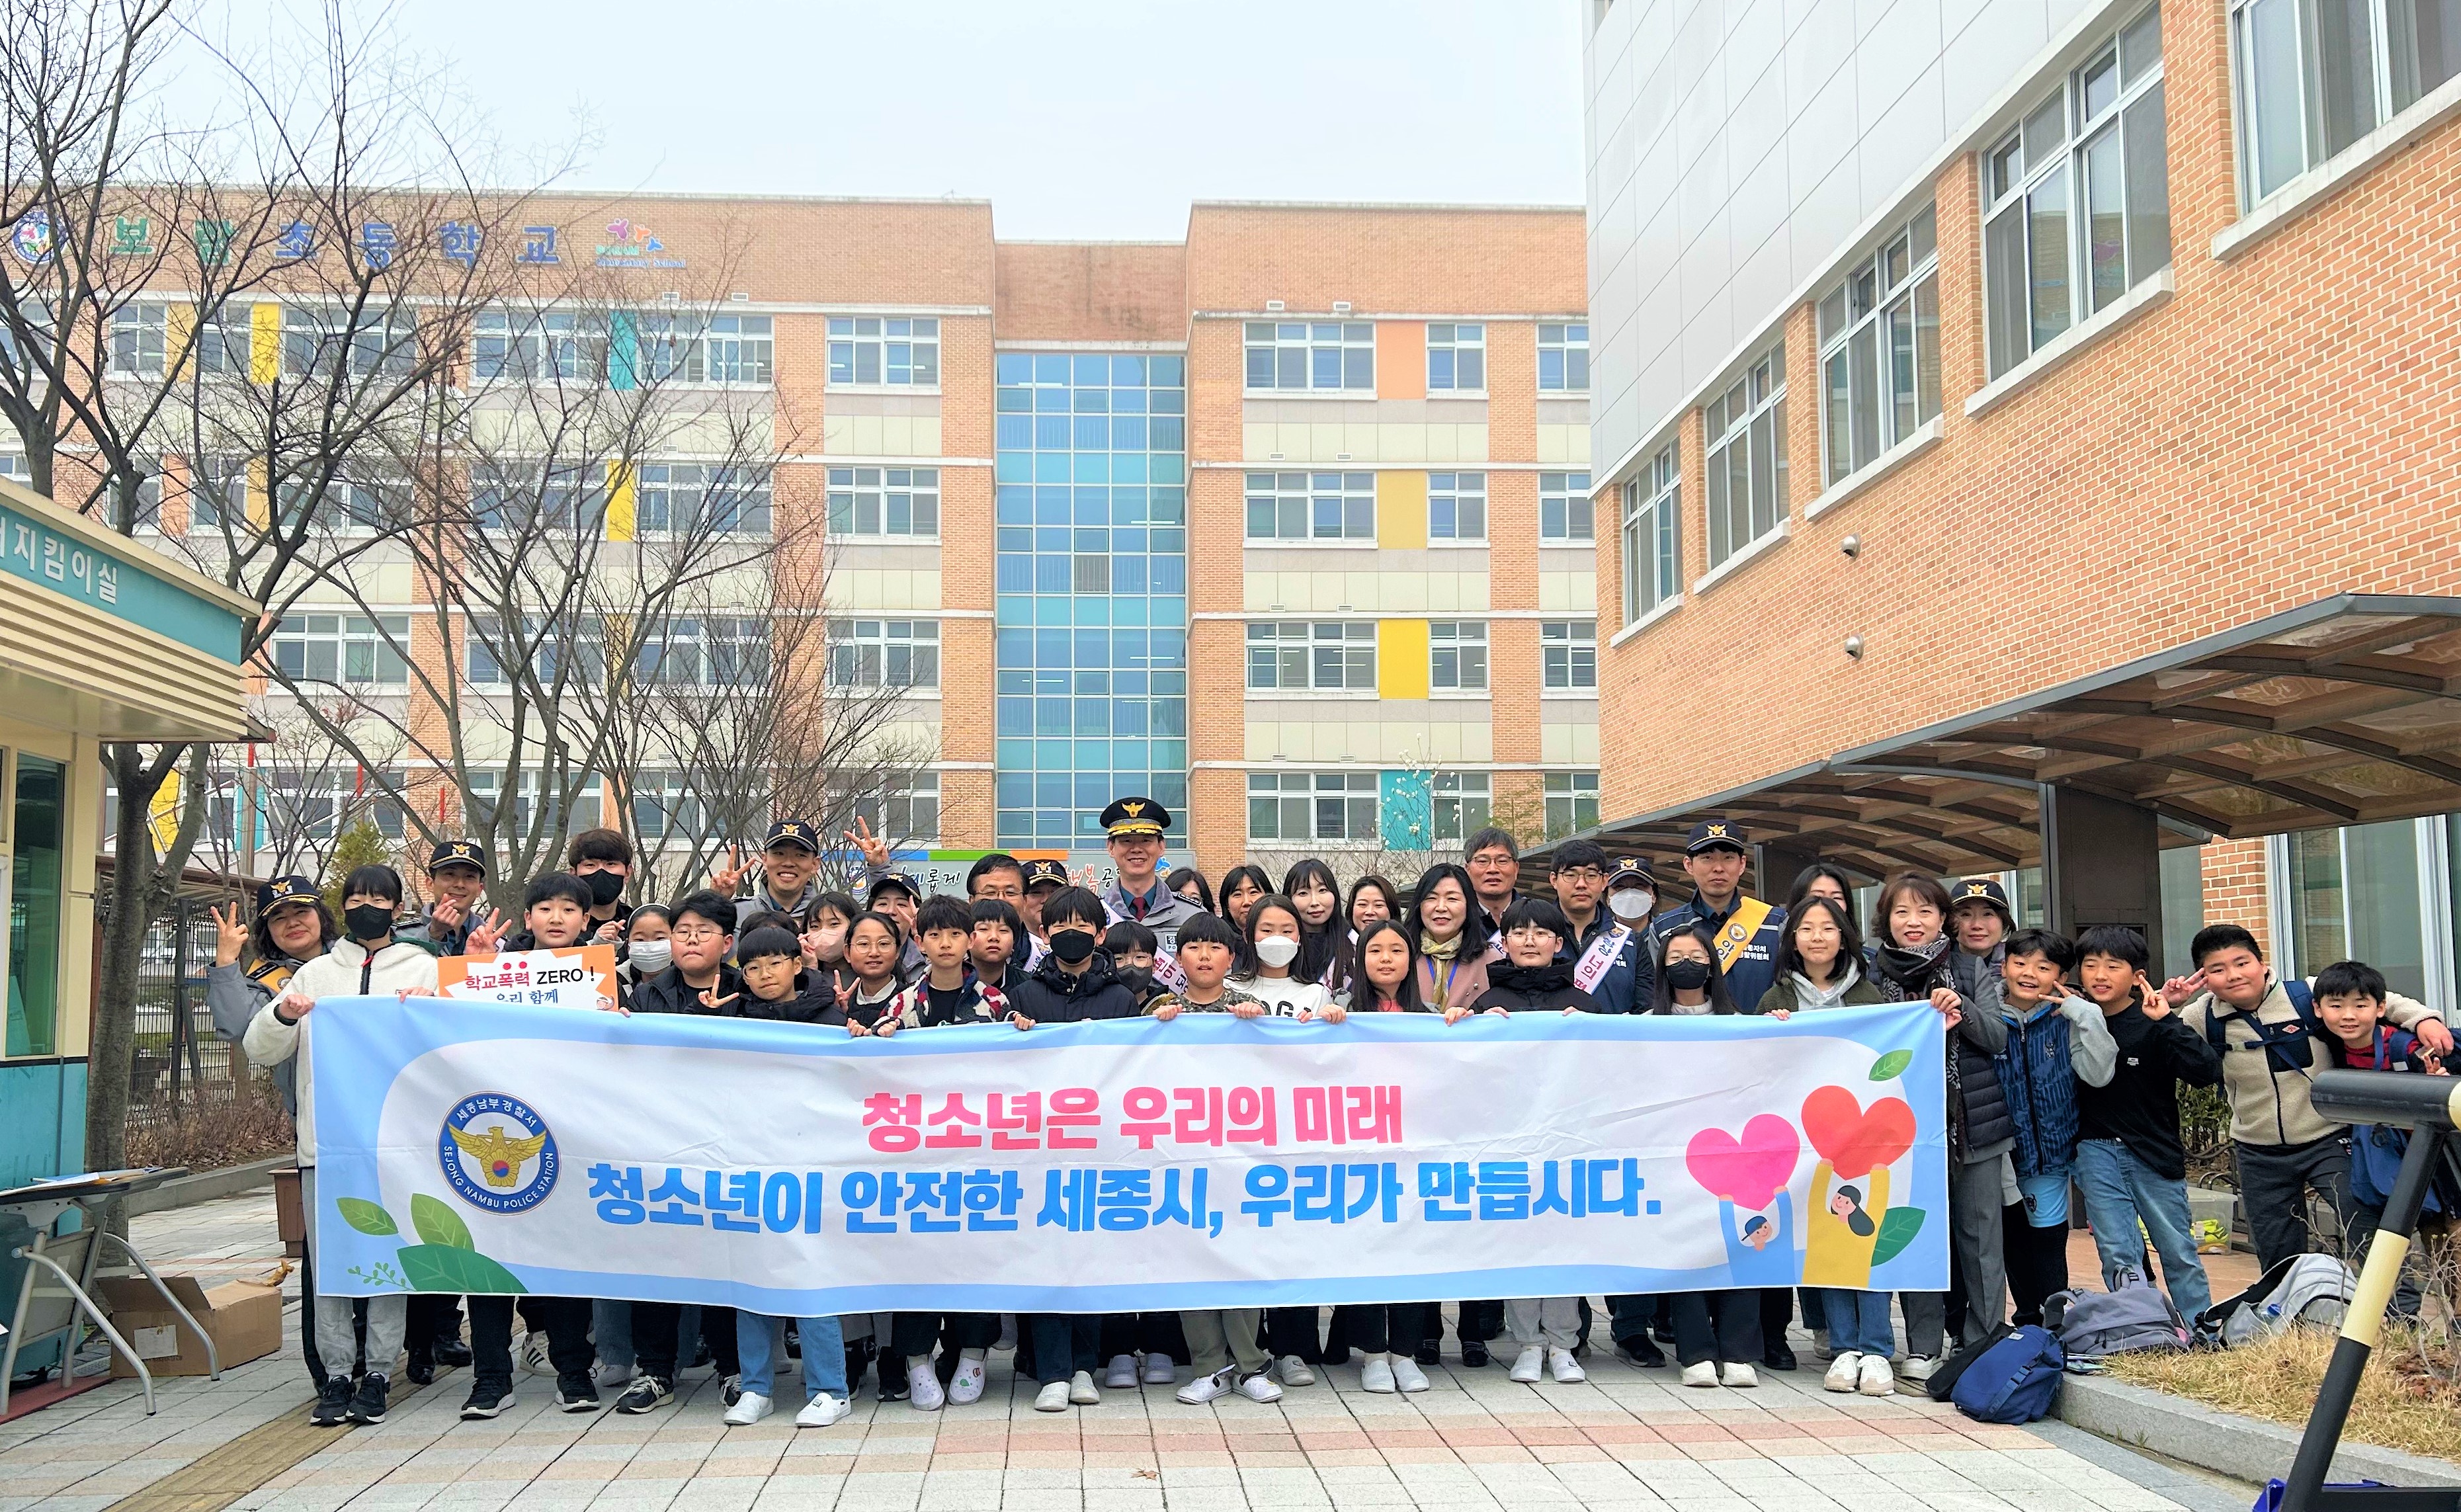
x=206, y=1187
x=2227, y=1443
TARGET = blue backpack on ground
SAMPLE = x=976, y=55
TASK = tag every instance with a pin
x=2015, y=1380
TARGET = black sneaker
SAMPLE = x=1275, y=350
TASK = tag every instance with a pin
x=367, y=1407
x=1474, y=1351
x=1642, y=1351
x=731, y=1391
x=892, y=1381
x=333, y=1406
x=451, y=1354
x=646, y=1393
x=1430, y=1353
x=486, y=1400
x=422, y=1368
x=575, y=1393
x=1780, y=1358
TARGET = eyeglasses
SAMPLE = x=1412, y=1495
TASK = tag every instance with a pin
x=687, y=932
x=1528, y=931
x=1580, y=874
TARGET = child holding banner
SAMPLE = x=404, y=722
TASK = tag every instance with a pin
x=992, y=949
x=1717, y=1333
x=947, y=993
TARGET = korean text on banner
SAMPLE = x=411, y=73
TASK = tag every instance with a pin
x=578, y=976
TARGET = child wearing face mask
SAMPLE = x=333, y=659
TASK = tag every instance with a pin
x=649, y=946
x=824, y=935
x=1132, y=946
x=603, y=860
x=1267, y=969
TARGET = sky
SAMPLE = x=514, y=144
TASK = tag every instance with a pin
x=1079, y=120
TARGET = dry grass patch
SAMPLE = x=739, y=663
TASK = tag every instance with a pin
x=2409, y=1398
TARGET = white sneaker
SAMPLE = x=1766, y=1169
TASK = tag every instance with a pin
x=1877, y=1378
x=1844, y=1370
x=1820, y=1350
x=1123, y=1370
x=1568, y=1370
x=822, y=1410
x=1081, y=1389
x=1528, y=1368
x=967, y=1385
x=1052, y=1398
x=610, y=1376
x=1918, y=1368
x=1735, y=1374
x=1407, y=1374
x=748, y=1409
x=1204, y=1389
x=1295, y=1371
x=534, y=1357
x=1377, y=1376
x=1008, y=1332
x=923, y=1391
x=1160, y=1371
x=1705, y=1373
x=1260, y=1387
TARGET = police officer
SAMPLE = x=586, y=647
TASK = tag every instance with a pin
x=1747, y=931
x=1133, y=829
x=1043, y=877
x=790, y=869
x=456, y=880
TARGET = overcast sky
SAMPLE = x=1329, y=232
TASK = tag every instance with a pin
x=1077, y=119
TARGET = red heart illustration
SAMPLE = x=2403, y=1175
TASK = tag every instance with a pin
x=1748, y=1171
x=1852, y=1138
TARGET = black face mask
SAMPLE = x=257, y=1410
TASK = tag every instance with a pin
x=1072, y=945
x=368, y=920
x=1687, y=976
x=604, y=888
x=1137, y=978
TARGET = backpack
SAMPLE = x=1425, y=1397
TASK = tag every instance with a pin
x=2312, y=1289
x=2131, y=1315
x=2304, y=1036
x=2013, y=1381
x=1944, y=1380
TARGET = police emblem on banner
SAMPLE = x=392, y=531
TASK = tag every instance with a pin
x=497, y=1153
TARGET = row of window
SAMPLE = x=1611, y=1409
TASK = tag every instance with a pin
x=1305, y=807
x=1285, y=355
x=1339, y=655
x=1341, y=507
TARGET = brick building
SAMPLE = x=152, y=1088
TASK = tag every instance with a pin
x=1286, y=524
x=2028, y=435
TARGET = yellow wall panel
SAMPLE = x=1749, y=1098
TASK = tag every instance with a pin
x=260, y=481
x=1401, y=658
x=1401, y=359
x=1401, y=510
x=178, y=328
x=620, y=500
x=265, y=343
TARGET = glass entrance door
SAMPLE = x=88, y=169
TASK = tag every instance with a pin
x=38, y=833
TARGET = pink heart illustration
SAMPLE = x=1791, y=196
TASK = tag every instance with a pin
x=1746, y=1171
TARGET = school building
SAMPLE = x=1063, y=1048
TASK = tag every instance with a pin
x=2027, y=431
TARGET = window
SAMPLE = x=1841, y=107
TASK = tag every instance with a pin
x=691, y=500
x=345, y=651
x=1456, y=358
x=382, y=342
x=900, y=808
x=138, y=335
x=703, y=651
x=217, y=492
x=1295, y=806
x=1568, y=649
x=1457, y=655
x=1566, y=516
x=225, y=341
x=15, y=468
x=1310, y=506
x=1563, y=358
x=883, y=653
x=872, y=348
x=665, y=805
x=2367, y=893
x=559, y=652
x=2315, y=76
x=532, y=346
x=729, y=350
x=563, y=499
x=1304, y=354
x=1294, y=657
x=1462, y=805
x=148, y=520
x=1879, y=350
x=1571, y=802
x=2077, y=198
x=351, y=506
x=885, y=502
x=1747, y=457
x=1652, y=564
x=537, y=796
x=1457, y=506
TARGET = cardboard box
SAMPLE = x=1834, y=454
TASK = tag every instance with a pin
x=244, y=1318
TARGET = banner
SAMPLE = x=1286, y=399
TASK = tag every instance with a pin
x=1126, y=1166
x=576, y=976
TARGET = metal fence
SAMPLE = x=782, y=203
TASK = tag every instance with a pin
x=181, y=1063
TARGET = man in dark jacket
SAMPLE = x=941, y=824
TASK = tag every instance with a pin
x=1746, y=929
x=1603, y=956
x=1074, y=983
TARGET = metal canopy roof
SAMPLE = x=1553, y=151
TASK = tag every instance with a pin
x=2343, y=712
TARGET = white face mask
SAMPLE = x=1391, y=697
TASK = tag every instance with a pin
x=1631, y=903
x=650, y=957
x=1278, y=950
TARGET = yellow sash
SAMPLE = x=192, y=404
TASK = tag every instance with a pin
x=1750, y=915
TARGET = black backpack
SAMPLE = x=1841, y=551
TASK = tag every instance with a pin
x=2293, y=1049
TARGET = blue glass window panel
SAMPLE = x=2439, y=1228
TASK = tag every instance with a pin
x=1127, y=505
x=1093, y=683
x=1130, y=752
x=1048, y=611
x=1128, y=373
x=1017, y=538
x=1093, y=467
x=1092, y=401
x=1131, y=647
x=1171, y=540
x=1170, y=790
x=1013, y=401
x=1015, y=431
x=1169, y=646
x=1018, y=680
x=1051, y=367
x=1131, y=610
x=1051, y=574
x=1050, y=789
x=1439, y=367
x=1018, y=756
x=1170, y=434
x=1169, y=575
x=1167, y=611
x=1166, y=371
x=1051, y=401
x=1327, y=369
x=1129, y=684
x=1128, y=574
x=1127, y=401
x=1170, y=753
x=1092, y=538
x=1169, y=401
x=1359, y=368
x=1094, y=608
x=1014, y=647
x=1168, y=505
x=1051, y=678
x=1132, y=467
x=1125, y=539
x=1050, y=506
x=1093, y=432
x=1093, y=506
x=1051, y=433
x=1093, y=648
x=1170, y=718
x=1051, y=755
x=1260, y=367
x=1016, y=505
x=1016, y=612
x=1050, y=716
x=1016, y=719
x=1086, y=790
x=1094, y=756
x=1170, y=685
x=1093, y=718
x=1013, y=367
x=1015, y=467
x=1127, y=718
x=1049, y=467
x=1015, y=574
x=1168, y=467
x=1015, y=790
x=1095, y=371
x=1051, y=537
x=1128, y=433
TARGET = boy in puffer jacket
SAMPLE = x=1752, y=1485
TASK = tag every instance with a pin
x=2055, y=1040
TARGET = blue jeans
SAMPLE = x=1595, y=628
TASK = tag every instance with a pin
x=2121, y=1191
x=1859, y=1321
x=824, y=1345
